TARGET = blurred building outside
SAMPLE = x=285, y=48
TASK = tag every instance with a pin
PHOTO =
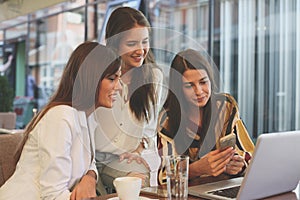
x=254, y=44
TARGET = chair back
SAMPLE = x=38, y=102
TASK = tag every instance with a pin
x=9, y=143
x=8, y=120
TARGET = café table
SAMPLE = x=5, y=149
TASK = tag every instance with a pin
x=293, y=195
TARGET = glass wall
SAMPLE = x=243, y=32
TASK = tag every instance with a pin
x=52, y=40
x=255, y=46
x=47, y=38
x=259, y=61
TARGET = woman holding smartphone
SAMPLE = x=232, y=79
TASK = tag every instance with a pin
x=195, y=117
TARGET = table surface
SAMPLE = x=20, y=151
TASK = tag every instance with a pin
x=294, y=195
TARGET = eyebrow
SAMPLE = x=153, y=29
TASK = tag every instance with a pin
x=206, y=77
x=113, y=75
x=147, y=38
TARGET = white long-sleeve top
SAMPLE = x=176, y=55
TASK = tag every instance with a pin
x=56, y=155
x=119, y=131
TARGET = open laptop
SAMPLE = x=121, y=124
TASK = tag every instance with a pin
x=274, y=169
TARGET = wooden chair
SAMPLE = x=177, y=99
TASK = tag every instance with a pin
x=9, y=144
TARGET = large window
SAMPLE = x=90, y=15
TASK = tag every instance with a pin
x=42, y=42
x=259, y=61
x=52, y=40
x=255, y=45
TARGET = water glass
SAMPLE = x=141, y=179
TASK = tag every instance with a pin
x=177, y=171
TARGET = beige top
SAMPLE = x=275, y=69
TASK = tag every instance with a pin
x=117, y=131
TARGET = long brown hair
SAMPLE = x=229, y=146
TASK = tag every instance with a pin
x=176, y=103
x=79, y=86
x=141, y=89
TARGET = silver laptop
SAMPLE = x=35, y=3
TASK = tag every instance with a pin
x=274, y=169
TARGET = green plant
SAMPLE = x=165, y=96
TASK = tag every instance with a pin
x=6, y=95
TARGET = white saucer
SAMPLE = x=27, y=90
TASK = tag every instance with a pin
x=140, y=198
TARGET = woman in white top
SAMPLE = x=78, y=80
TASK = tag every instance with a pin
x=57, y=159
x=130, y=127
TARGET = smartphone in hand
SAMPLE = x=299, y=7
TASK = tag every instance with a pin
x=227, y=141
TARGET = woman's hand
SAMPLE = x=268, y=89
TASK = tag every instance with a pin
x=134, y=156
x=86, y=188
x=214, y=163
x=235, y=165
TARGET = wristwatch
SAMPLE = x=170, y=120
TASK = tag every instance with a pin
x=145, y=143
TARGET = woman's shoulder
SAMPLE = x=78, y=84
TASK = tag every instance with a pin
x=227, y=103
x=164, y=131
x=62, y=112
x=163, y=123
x=64, y=116
x=227, y=98
x=61, y=108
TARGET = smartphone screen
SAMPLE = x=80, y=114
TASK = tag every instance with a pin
x=227, y=141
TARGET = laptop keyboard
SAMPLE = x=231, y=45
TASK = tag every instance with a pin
x=228, y=192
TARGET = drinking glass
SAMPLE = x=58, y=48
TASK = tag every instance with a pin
x=177, y=171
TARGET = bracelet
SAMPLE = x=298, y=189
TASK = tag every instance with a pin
x=145, y=143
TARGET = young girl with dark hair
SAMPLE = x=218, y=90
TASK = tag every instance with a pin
x=196, y=116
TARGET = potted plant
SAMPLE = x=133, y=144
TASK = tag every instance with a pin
x=6, y=95
x=7, y=118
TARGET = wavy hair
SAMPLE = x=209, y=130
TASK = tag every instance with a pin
x=141, y=90
x=79, y=86
x=176, y=103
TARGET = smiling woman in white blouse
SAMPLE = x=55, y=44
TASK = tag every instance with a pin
x=57, y=159
x=128, y=131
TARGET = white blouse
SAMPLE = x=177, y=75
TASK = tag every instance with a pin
x=119, y=131
x=56, y=155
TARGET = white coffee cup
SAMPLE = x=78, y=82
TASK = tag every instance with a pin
x=128, y=188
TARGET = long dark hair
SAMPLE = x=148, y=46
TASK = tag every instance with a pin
x=141, y=90
x=176, y=104
x=79, y=86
